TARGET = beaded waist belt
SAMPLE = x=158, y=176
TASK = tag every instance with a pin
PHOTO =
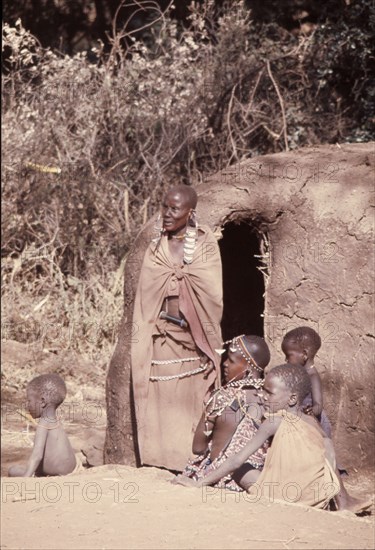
x=201, y=368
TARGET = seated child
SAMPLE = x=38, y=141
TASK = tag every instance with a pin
x=232, y=413
x=300, y=464
x=52, y=454
x=300, y=346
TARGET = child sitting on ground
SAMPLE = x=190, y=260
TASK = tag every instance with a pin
x=232, y=414
x=52, y=454
x=300, y=463
x=300, y=346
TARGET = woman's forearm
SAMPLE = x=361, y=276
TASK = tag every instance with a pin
x=229, y=466
x=266, y=430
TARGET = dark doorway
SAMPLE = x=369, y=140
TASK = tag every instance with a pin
x=243, y=283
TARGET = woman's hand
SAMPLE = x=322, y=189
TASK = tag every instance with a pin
x=208, y=364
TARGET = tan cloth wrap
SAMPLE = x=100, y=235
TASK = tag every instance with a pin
x=200, y=301
x=297, y=468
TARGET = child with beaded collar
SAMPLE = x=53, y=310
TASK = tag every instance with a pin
x=52, y=454
x=232, y=414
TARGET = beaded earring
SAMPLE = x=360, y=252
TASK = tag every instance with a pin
x=191, y=238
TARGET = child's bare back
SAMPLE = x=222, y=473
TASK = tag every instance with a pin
x=52, y=454
x=59, y=457
x=227, y=423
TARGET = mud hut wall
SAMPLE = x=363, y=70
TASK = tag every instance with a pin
x=321, y=289
x=120, y=444
x=315, y=206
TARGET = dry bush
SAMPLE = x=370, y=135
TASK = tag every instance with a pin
x=42, y=306
x=89, y=147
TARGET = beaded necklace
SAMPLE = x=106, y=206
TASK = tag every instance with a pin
x=190, y=238
x=224, y=397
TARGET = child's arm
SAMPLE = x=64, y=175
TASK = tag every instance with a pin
x=201, y=440
x=38, y=450
x=316, y=392
x=266, y=430
x=206, y=423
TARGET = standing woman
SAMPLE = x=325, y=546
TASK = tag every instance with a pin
x=177, y=312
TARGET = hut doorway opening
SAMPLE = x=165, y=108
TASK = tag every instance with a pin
x=244, y=257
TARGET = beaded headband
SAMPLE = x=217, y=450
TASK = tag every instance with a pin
x=238, y=344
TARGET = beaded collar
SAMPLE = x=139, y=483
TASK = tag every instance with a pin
x=223, y=397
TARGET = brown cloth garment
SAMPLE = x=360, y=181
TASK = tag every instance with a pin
x=167, y=411
x=297, y=468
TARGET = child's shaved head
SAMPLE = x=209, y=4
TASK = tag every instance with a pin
x=303, y=337
x=50, y=386
x=295, y=379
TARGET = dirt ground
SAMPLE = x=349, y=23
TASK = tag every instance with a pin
x=111, y=507
x=114, y=506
